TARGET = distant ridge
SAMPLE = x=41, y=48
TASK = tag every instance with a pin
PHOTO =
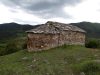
x=9, y=30
x=92, y=29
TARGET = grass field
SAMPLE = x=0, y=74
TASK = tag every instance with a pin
x=64, y=60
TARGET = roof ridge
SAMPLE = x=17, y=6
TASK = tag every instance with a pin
x=55, y=27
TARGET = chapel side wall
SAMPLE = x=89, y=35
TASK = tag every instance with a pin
x=73, y=38
x=38, y=42
x=78, y=38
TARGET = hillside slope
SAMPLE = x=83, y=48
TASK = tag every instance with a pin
x=92, y=29
x=65, y=60
x=10, y=30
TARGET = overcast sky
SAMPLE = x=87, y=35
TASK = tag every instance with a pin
x=40, y=11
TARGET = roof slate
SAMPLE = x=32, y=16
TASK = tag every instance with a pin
x=55, y=27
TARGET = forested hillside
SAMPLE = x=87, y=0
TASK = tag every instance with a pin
x=92, y=29
x=10, y=30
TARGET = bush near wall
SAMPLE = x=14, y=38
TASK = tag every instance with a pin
x=92, y=43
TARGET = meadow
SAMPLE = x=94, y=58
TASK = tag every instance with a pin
x=64, y=60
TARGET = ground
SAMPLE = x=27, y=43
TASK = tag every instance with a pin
x=56, y=61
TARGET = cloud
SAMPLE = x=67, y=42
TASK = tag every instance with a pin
x=42, y=8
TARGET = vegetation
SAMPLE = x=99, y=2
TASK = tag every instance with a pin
x=92, y=29
x=12, y=46
x=92, y=43
x=12, y=30
x=91, y=67
x=65, y=60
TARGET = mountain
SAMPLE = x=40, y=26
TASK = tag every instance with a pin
x=8, y=30
x=92, y=29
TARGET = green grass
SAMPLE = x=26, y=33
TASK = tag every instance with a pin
x=56, y=61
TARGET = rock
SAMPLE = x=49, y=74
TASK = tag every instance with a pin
x=82, y=73
x=24, y=58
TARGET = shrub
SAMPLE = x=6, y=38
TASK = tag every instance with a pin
x=87, y=67
x=92, y=43
x=2, y=51
x=11, y=48
x=90, y=67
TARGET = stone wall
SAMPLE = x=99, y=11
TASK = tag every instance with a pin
x=72, y=38
x=38, y=42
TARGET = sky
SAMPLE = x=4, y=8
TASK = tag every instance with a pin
x=40, y=11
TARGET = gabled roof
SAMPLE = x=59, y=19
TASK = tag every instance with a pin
x=55, y=27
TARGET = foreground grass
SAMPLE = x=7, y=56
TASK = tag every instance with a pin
x=65, y=60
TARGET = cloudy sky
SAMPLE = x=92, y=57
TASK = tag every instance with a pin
x=40, y=11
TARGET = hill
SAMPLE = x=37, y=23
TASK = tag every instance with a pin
x=10, y=30
x=65, y=60
x=92, y=29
